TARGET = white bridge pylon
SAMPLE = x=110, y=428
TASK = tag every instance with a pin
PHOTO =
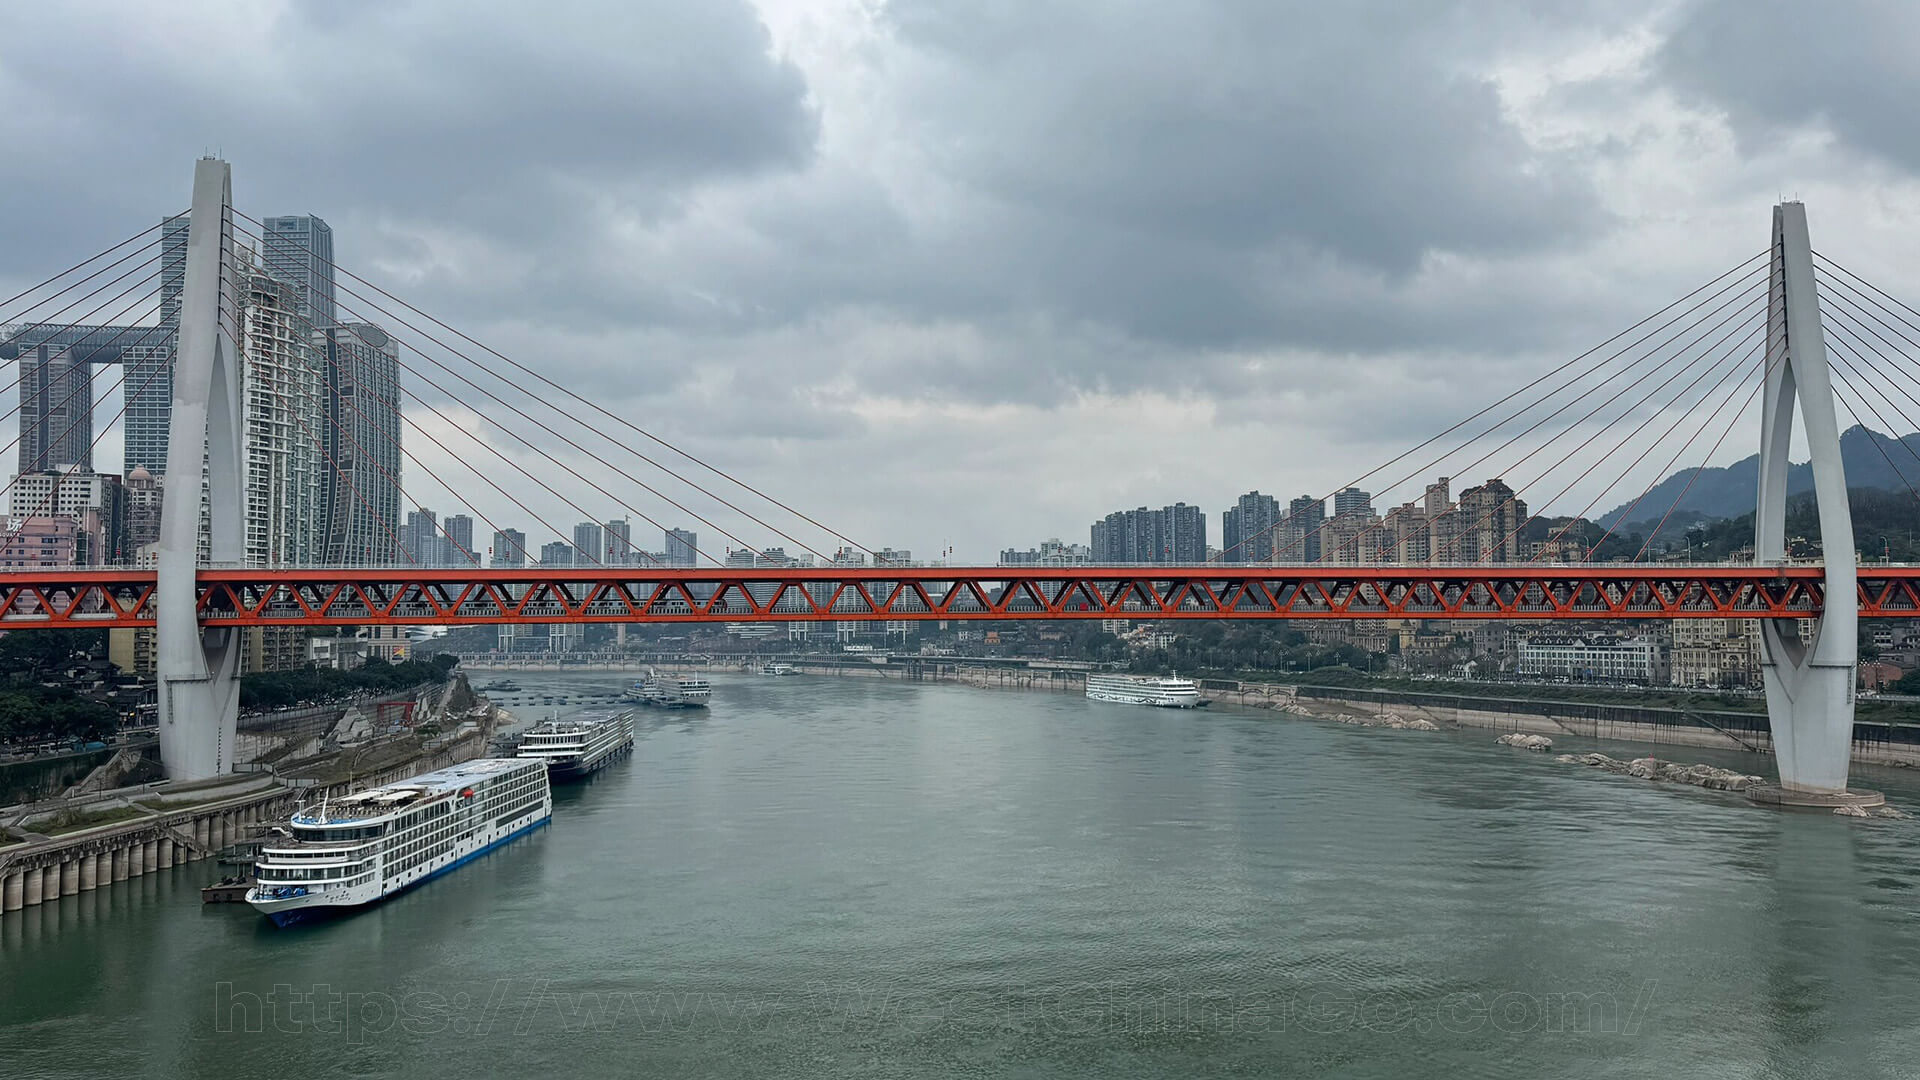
x=198, y=668
x=1810, y=688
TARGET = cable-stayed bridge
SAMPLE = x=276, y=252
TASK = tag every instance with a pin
x=1786, y=328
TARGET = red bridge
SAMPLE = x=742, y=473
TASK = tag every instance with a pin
x=413, y=596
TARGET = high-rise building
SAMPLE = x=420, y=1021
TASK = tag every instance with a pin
x=1251, y=522
x=683, y=547
x=299, y=251
x=1352, y=501
x=422, y=539
x=459, y=533
x=360, y=384
x=95, y=502
x=619, y=550
x=56, y=384
x=1176, y=533
x=1305, y=516
x=146, y=495
x=1186, y=533
x=509, y=548
x=149, y=368
x=173, y=267
x=1437, y=498
x=281, y=417
x=557, y=553
x=56, y=409
x=589, y=540
x=1491, y=518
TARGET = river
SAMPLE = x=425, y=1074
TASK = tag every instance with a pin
x=856, y=877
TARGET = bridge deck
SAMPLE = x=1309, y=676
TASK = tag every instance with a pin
x=419, y=596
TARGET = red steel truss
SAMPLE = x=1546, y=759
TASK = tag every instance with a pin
x=414, y=596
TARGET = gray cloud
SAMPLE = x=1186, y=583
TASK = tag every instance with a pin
x=1773, y=65
x=885, y=257
x=470, y=117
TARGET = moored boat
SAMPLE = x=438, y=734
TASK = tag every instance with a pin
x=345, y=853
x=1170, y=692
x=670, y=691
x=580, y=746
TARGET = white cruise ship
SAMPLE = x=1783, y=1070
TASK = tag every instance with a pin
x=670, y=692
x=576, y=748
x=1167, y=692
x=354, y=850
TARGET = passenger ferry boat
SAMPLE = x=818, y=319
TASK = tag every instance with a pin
x=670, y=692
x=1167, y=692
x=779, y=669
x=577, y=748
x=357, y=849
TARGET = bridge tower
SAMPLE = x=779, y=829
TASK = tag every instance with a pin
x=1810, y=688
x=198, y=670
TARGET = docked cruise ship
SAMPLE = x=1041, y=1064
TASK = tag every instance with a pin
x=1172, y=693
x=670, y=692
x=778, y=669
x=344, y=853
x=581, y=746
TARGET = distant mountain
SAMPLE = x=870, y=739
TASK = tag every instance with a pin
x=1732, y=491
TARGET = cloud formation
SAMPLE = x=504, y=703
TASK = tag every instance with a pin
x=976, y=273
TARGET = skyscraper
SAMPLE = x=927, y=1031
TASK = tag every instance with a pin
x=1305, y=516
x=460, y=540
x=299, y=251
x=1254, y=518
x=589, y=541
x=509, y=548
x=1352, y=501
x=422, y=537
x=682, y=547
x=557, y=553
x=619, y=543
x=1185, y=533
x=149, y=369
x=57, y=361
x=282, y=414
x=361, y=436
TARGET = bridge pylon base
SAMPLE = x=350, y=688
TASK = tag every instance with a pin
x=1788, y=798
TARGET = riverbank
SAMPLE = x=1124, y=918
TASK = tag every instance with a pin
x=68, y=846
x=1875, y=742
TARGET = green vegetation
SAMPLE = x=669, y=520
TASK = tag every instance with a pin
x=38, y=699
x=281, y=689
x=1886, y=524
x=1227, y=648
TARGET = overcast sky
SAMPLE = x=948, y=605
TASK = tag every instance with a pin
x=970, y=274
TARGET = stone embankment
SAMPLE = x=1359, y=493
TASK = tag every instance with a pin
x=1652, y=768
x=1536, y=743
x=1382, y=719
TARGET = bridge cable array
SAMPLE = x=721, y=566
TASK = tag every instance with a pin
x=386, y=316
x=1712, y=332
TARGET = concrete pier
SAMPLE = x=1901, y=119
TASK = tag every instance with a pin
x=13, y=892
x=89, y=871
x=70, y=877
x=33, y=886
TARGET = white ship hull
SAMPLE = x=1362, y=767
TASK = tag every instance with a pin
x=314, y=905
x=1164, y=701
x=371, y=845
x=1164, y=693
